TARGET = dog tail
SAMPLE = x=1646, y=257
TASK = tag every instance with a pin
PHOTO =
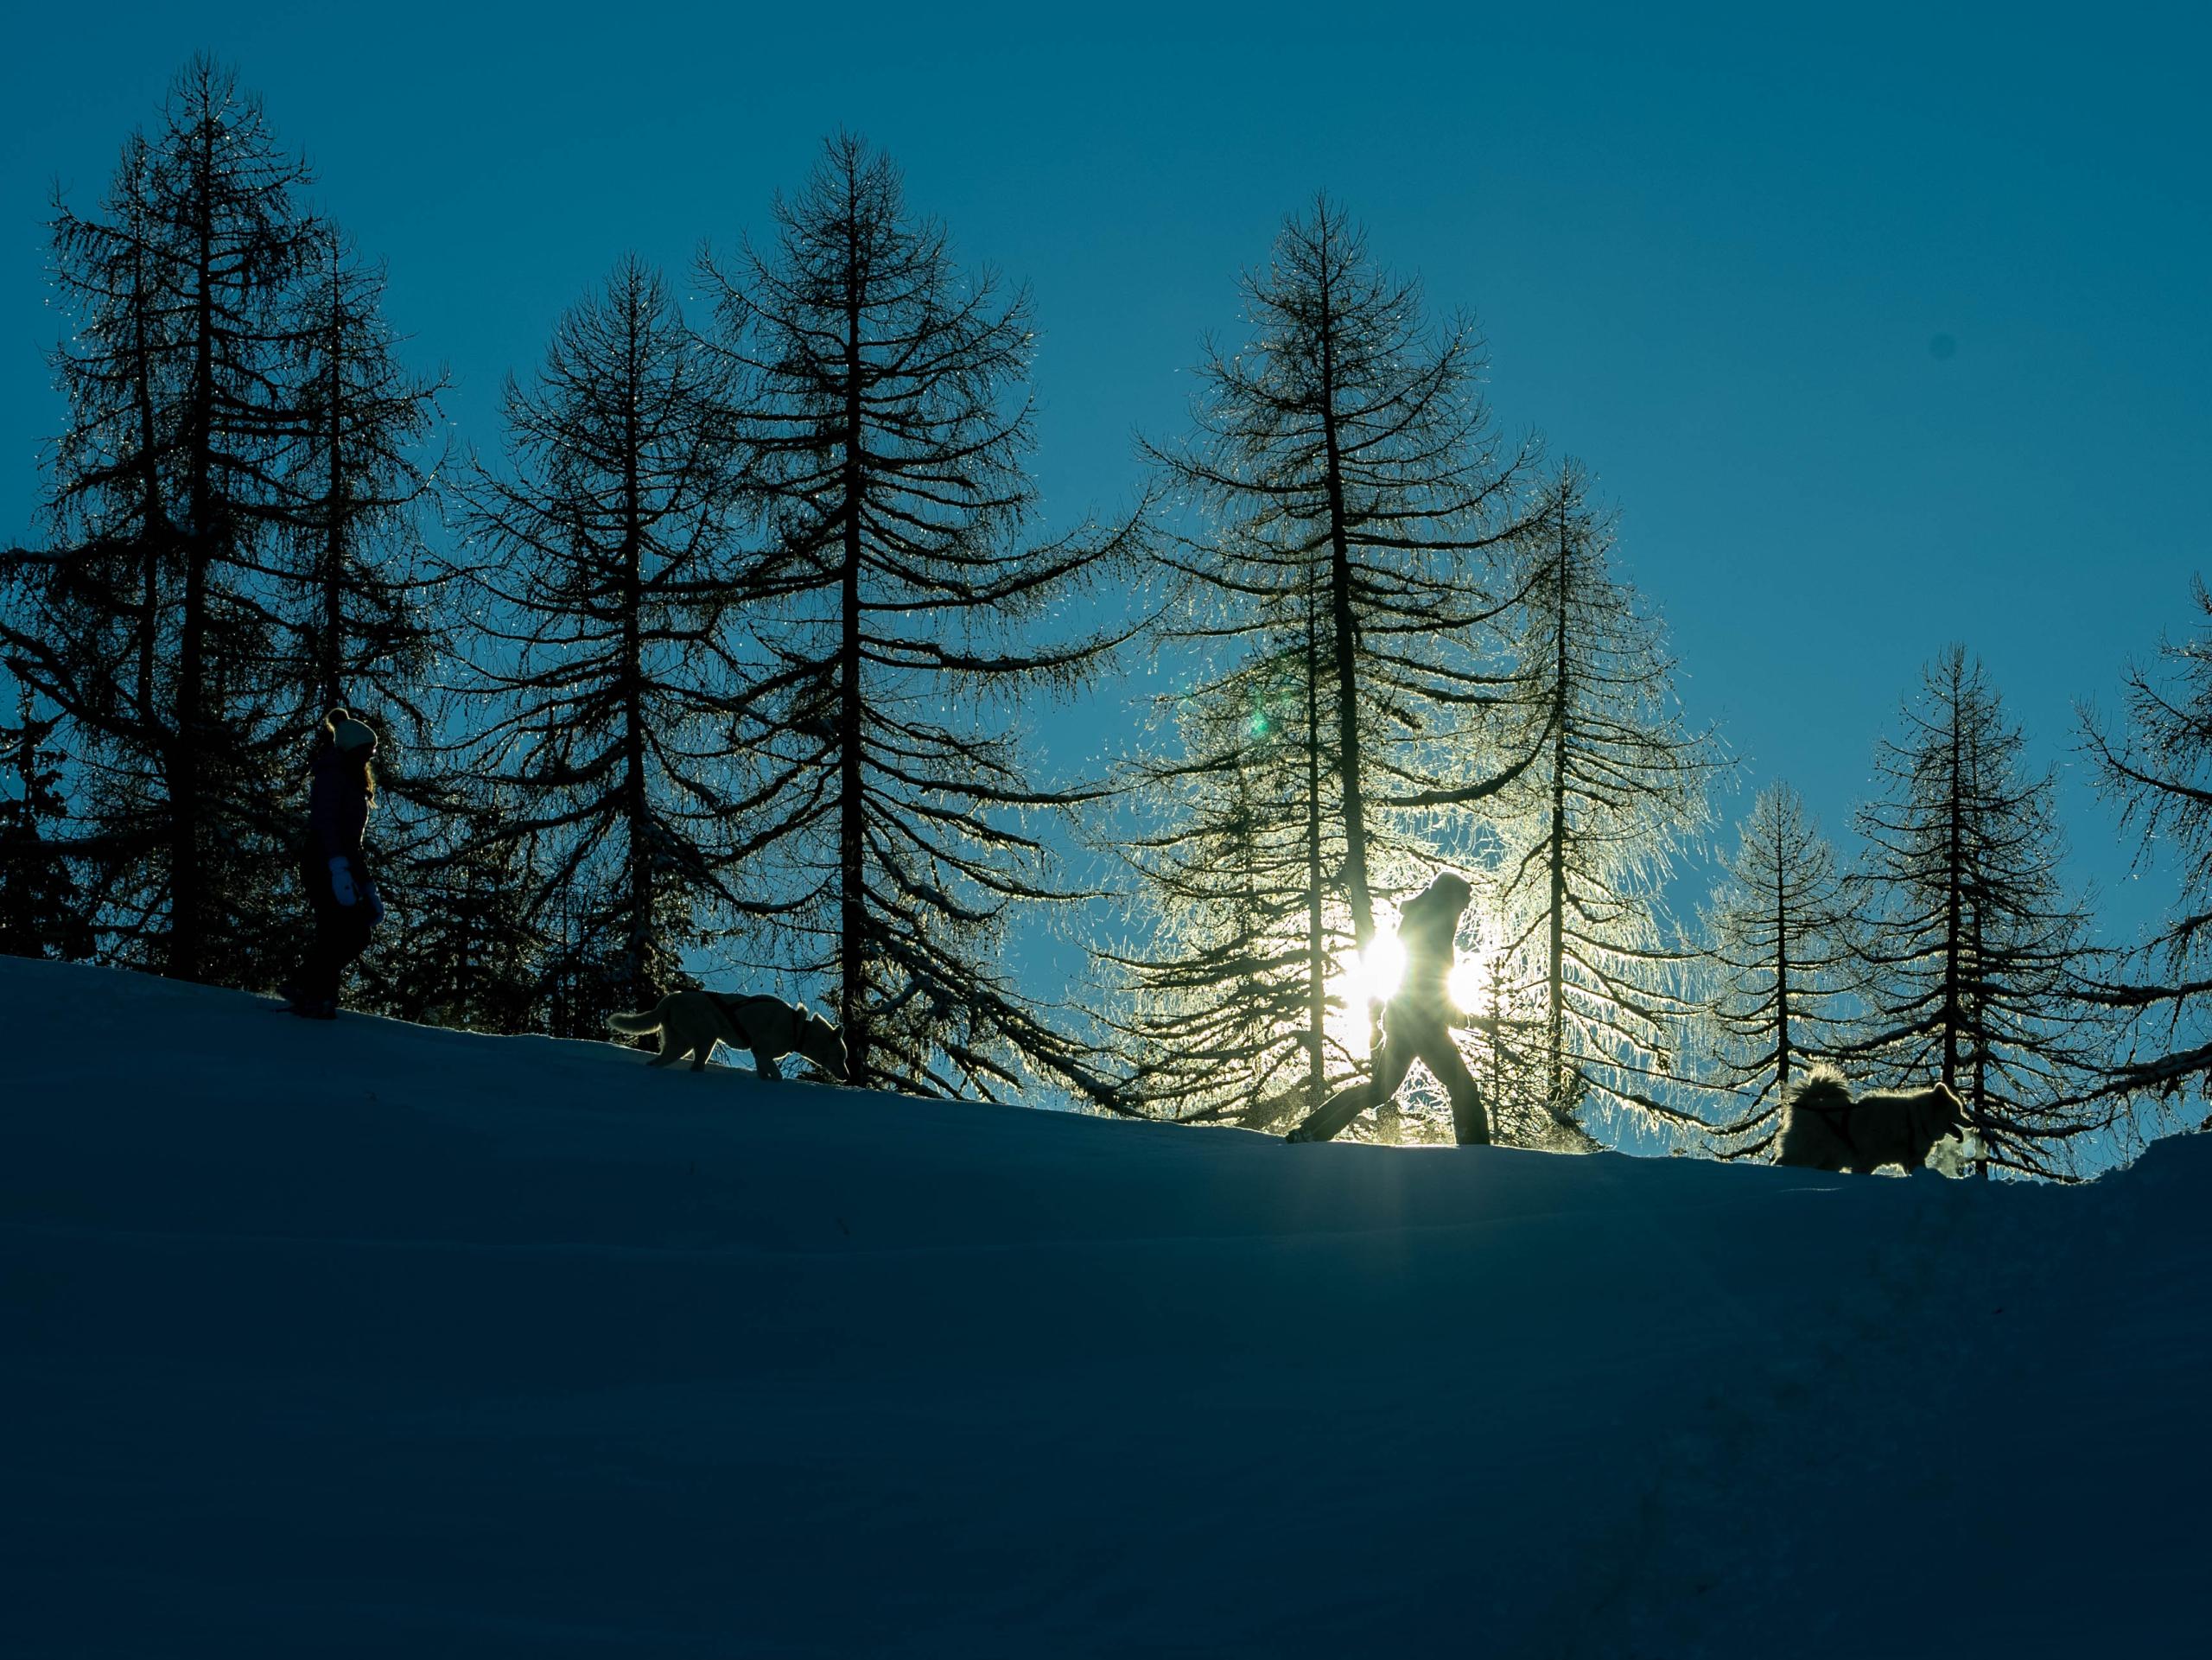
x=635, y=1025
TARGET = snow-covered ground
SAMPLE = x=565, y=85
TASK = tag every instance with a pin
x=374, y=1339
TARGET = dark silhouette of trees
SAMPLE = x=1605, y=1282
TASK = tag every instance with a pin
x=464, y=949
x=366, y=608
x=1971, y=946
x=151, y=625
x=41, y=912
x=1616, y=784
x=889, y=419
x=2158, y=770
x=1348, y=493
x=358, y=469
x=757, y=615
x=1779, y=935
x=608, y=658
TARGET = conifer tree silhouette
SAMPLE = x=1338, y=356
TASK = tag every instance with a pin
x=889, y=418
x=612, y=672
x=151, y=625
x=1779, y=930
x=1595, y=824
x=1347, y=500
x=1971, y=946
x=2158, y=770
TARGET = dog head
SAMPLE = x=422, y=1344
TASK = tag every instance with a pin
x=1956, y=1119
x=1937, y=1115
x=822, y=1043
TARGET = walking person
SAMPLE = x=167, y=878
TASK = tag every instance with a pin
x=333, y=867
x=1417, y=1024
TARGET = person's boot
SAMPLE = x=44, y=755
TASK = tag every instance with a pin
x=1471, y=1129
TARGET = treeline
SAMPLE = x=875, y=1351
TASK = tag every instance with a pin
x=726, y=656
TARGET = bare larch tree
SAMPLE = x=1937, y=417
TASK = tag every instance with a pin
x=359, y=471
x=153, y=623
x=1345, y=493
x=608, y=658
x=2158, y=770
x=890, y=419
x=1971, y=948
x=1618, y=785
x=1227, y=1000
x=1779, y=936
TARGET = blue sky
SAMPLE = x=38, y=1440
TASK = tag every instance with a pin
x=1881, y=326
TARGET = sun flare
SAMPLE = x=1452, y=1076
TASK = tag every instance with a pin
x=1372, y=975
x=1466, y=985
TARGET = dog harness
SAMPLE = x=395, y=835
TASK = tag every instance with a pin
x=732, y=1009
x=1839, y=1118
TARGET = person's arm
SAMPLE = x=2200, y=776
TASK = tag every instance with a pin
x=322, y=822
x=336, y=821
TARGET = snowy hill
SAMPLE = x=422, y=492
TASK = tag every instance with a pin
x=373, y=1339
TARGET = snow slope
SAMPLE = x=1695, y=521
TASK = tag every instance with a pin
x=374, y=1339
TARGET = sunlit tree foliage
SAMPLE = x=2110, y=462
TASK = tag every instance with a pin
x=1230, y=999
x=1343, y=497
x=1778, y=933
x=1595, y=825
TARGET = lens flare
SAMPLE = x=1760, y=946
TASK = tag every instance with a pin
x=1466, y=985
x=1373, y=975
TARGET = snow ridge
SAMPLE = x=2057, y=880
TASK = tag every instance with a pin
x=334, y=1339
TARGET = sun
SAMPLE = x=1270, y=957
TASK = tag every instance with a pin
x=1375, y=976
x=1372, y=975
x=1361, y=978
x=1469, y=986
x=1466, y=985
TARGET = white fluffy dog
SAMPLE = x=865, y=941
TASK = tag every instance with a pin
x=1823, y=1128
x=693, y=1023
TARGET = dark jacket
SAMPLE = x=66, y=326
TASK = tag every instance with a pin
x=1426, y=929
x=338, y=811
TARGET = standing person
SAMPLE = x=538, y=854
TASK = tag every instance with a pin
x=333, y=869
x=1417, y=1024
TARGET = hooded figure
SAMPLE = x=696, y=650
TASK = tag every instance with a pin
x=1417, y=1024
x=333, y=867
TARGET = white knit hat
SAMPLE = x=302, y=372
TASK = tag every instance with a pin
x=348, y=734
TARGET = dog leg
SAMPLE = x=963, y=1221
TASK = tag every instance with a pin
x=670, y=1053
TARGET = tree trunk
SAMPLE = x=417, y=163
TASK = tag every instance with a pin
x=1345, y=642
x=1347, y=666
x=852, y=903
x=154, y=515
x=1317, y=993
x=334, y=526
x=1556, y=1044
x=639, y=946
x=1781, y=972
x=187, y=941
